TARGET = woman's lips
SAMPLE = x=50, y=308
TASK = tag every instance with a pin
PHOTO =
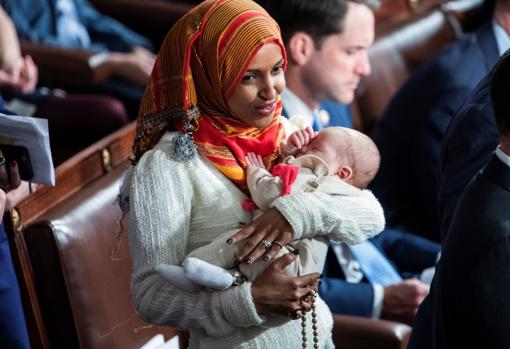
x=266, y=109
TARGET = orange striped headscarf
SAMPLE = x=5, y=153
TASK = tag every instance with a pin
x=202, y=60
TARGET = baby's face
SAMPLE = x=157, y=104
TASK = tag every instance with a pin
x=325, y=146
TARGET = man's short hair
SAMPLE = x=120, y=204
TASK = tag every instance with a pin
x=317, y=18
x=500, y=94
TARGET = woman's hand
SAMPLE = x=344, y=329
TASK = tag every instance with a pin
x=265, y=235
x=274, y=292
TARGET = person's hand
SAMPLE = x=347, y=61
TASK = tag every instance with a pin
x=265, y=235
x=274, y=292
x=28, y=75
x=21, y=75
x=143, y=54
x=17, y=195
x=401, y=301
x=9, y=174
x=10, y=74
x=300, y=138
x=253, y=160
x=134, y=67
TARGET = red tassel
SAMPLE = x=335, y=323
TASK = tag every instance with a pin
x=287, y=174
x=249, y=205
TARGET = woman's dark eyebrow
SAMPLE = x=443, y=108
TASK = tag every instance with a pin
x=278, y=63
x=258, y=70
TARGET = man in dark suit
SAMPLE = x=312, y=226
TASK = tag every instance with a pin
x=327, y=43
x=469, y=305
x=122, y=57
x=410, y=255
x=411, y=130
x=323, y=66
x=468, y=144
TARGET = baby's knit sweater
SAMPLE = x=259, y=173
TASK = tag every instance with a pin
x=177, y=206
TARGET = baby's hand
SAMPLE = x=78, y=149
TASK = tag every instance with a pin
x=300, y=138
x=254, y=160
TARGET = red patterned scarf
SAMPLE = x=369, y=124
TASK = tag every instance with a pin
x=202, y=60
x=226, y=145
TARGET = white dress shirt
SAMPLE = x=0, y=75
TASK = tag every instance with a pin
x=295, y=107
x=502, y=38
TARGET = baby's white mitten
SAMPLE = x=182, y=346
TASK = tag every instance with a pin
x=174, y=274
x=207, y=274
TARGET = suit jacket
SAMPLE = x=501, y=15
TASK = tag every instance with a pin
x=339, y=114
x=411, y=130
x=13, y=331
x=35, y=21
x=408, y=253
x=469, y=142
x=402, y=249
x=469, y=302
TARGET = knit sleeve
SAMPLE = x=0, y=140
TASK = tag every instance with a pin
x=350, y=219
x=264, y=187
x=161, y=193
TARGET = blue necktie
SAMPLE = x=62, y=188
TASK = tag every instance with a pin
x=317, y=123
x=376, y=267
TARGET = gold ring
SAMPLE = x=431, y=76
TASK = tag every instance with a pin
x=276, y=242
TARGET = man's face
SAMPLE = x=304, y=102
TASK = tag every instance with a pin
x=335, y=69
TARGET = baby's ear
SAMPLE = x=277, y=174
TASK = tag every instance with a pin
x=345, y=173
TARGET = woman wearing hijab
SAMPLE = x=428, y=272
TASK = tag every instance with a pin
x=213, y=97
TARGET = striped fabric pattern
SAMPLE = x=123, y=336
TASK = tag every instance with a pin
x=201, y=62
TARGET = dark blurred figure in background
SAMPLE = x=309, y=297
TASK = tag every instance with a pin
x=410, y=132
x=124, y=57
x=13, y=331
x=327, y=43
x=75, y=120
x=468, y=306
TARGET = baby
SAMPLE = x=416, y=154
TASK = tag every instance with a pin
x=335, y=161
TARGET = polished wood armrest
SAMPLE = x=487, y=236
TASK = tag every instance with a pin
x=355, y=332
x=57, y=65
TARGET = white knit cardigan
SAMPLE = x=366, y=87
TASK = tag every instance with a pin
x=177, y=206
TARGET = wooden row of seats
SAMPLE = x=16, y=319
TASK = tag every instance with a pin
x=76, y=292
x=415, y=32
x=73, y=275
x=74, y=272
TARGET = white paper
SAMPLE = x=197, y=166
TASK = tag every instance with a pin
x=154, y=343
x=172, y=343
x=32, y=133
x=158, y=342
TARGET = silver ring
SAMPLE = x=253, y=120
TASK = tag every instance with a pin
x=2, y=161
x=267, y=245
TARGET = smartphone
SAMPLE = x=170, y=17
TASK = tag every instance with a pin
x=19, y=154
